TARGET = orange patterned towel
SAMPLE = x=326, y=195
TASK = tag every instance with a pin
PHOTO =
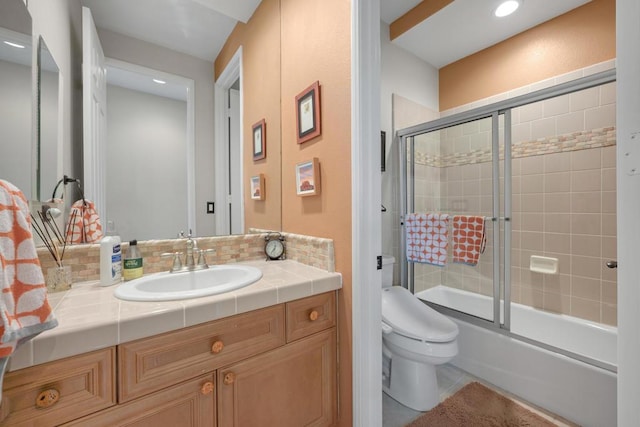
x=468, y=239
x=24, y=308
x=427, y=238
x=84, y=223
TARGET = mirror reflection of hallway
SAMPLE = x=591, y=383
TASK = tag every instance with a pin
x=149, y=157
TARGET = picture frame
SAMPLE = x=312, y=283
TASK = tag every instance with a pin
x=257, y=187
x=308, y=178
x=259, y=133
x=308, y=123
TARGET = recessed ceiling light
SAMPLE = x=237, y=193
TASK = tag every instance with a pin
x=16, y=45
x=160, y=82
x=506, y=8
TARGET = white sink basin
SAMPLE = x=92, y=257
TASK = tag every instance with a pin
x=189, y=284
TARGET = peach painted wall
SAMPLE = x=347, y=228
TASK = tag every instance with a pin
x=260, y=40
x=579, y=38
x=314, y=45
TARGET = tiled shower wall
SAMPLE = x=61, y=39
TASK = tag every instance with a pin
x=563, y=201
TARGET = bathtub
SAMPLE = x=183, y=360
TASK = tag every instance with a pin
x=579, y=385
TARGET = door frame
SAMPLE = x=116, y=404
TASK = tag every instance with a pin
x=231, y=73
x=366, y=216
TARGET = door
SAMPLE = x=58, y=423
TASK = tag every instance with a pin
x=236, y=225
x=94, y=105
x=453, y=170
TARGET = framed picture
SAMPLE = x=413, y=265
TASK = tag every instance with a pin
x=308, y=178
x=257, y=187
x=259, y=140
x=308, y=113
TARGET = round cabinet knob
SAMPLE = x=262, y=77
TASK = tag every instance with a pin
x=229, y=378
x=217, y=347
x=313, y=315
x=206, y=388
x=47, y=398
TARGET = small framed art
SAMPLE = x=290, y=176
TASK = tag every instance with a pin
x=259, y=140
x=308, y=113
x=257, y=187
x=308, y=178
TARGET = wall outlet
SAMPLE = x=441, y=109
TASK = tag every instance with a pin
x=211, y=207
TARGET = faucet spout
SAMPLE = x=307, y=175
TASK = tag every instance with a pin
x=192, y=247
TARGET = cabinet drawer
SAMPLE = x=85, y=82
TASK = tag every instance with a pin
x=310, y=315
x=190, y=404
x=56, y=392
x=153, y=363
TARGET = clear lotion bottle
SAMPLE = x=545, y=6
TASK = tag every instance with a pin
x=110, y=257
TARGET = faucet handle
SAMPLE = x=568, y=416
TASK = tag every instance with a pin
x=202, y=262
x=177, y=264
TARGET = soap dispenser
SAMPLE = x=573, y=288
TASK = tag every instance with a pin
x=110, y=257
x=132, y=266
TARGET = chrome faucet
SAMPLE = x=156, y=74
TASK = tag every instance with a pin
x=192, y=246
x=189, y=263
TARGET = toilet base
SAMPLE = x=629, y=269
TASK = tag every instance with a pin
x=412, y=384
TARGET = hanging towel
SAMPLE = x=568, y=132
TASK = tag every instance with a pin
x=84, y=223
x=427, y=238
x=469, y=239
x=24, y=308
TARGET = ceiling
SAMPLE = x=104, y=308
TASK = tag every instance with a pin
x=200, y=27
x=196, y=27
x=468, y=26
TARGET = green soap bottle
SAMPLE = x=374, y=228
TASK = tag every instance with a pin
x=132, y=264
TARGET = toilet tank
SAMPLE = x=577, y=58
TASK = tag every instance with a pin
x=387, y=270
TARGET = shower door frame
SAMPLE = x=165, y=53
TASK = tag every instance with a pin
x=500, y=276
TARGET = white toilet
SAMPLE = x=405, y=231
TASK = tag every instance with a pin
x=415, y=338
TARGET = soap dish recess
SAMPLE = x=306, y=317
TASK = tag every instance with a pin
x=543, y=264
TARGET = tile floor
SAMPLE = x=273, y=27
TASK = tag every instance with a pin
x=450, y=380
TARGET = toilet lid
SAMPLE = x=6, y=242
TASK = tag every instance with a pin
x=409, y=316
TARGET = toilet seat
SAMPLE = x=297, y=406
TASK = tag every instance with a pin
x=409, y=317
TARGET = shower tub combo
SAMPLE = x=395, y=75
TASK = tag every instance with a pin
x=550, y=356
x=580, y=387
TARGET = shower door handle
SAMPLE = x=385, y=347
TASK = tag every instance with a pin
x=612, y=264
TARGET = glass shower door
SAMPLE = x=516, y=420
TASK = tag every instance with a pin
x=455, y=171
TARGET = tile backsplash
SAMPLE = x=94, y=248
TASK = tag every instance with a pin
x=85, y=259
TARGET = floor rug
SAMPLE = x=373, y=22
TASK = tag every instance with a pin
x=478, y=406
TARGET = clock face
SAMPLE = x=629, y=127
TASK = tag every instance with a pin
x=274, y=249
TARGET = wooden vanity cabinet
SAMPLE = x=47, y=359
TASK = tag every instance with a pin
x=275, y=366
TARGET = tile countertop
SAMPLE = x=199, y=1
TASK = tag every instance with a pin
x=90, y=317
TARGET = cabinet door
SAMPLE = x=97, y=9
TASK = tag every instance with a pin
x=294, y=385
x=56, y=392
x=189, y=404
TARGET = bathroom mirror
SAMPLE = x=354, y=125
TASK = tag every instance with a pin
x=149, y=153
x=108, y=19
x=16, y=122
x=48, y=152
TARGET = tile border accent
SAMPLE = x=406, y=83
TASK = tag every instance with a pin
x=595, y=138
